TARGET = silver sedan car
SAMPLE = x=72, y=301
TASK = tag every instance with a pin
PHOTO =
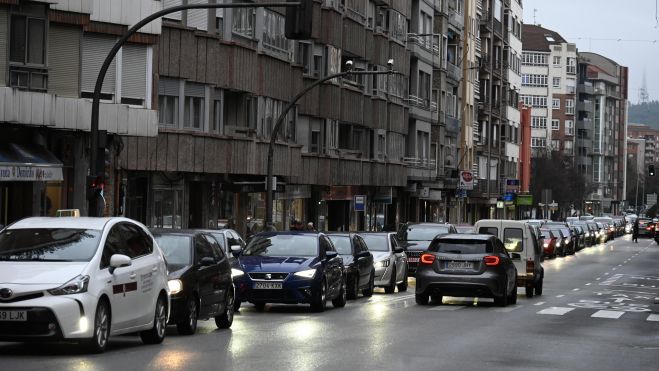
x=389, y=260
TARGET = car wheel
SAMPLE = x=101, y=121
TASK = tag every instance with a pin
x=512, y=299
x=353, y=284
x=538, y=286
x=156, y=334
x=422, y=299
x=368, y=292
x=225, y=319
x=341, y=299
x=319, y=300
x=260, y=306
x=102, y=322
x=437, y=299
x=529, y=291
x=189, y=325
x=236, y=305
x=402, y=287
x=391, y=288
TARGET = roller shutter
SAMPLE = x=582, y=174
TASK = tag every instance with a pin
x=133, y=70
x=4, y=28
x=198, y=18
x=64, y=60
x=95, y=48
x=171, y=3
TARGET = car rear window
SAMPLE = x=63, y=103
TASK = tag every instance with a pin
x=49, y=244
x=494, y=231
x=376, y=242
x=425, y=233
x=176, y=248
x=513, y=239
x=461, y=246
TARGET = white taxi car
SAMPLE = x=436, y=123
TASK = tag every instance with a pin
x=81, y=279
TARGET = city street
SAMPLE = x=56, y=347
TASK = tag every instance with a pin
x=598, y=312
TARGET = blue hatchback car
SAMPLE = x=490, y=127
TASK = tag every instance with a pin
x=290, y=268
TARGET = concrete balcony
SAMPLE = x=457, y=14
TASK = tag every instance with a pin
x=456, y=19
x=454, y=73
x=586, y=106
x=420, y=168
x=585, y=89
x=452, y=125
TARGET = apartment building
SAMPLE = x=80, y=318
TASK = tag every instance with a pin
x=636, y=153
x=602, y=130
x=648, y=140
x=223, y=77
x=549, y=79
x=50, y=55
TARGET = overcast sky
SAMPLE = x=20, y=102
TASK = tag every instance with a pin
x=629, y=20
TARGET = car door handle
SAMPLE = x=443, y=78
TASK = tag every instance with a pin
x=132, y=276
x=154, y=269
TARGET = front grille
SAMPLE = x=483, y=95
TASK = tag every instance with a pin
x=38, y=324
x=23, y=297
x=272, y=295
x=272, y=276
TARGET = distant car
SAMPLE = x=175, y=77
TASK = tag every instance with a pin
x=199, y=279
x=595, y=232
x=466, y=265
x=358, y=262
x=603, y=232
x=416, y=238
x=290, y=268
x=465, y=229
x=81, y=279
x=229, y=240
x=390, y=261
x=580, y=232
x=610, y=227
x=645, y=228
x=550, y=239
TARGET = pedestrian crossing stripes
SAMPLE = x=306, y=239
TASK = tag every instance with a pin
x=556, y=311
x=608, y=314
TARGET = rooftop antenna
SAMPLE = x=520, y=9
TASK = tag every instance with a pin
x=643, y=95
x=535, y=12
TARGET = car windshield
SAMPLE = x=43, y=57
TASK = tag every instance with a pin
x=49, y=244
x=177, y=248
x=342, y=244
x=376, y=243
x=282, y=245
x=460, y=246
x=425, y=233
x=545, y=233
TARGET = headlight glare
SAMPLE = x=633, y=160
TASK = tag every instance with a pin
x=309, y=273
x=75, y=286
x=175, y=286
x=236, y=273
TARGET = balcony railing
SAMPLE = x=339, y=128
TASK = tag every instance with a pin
x=28, y=78
x=585, y=89
x=420, y=102
x=454, y=71
x=420, y=163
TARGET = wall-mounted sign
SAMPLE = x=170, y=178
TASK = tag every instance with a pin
x=30, y=174
x=360, y=203
x=467, y=180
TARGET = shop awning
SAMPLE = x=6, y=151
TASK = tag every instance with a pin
x=28, y=163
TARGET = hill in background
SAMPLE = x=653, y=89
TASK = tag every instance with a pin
x=647, y=113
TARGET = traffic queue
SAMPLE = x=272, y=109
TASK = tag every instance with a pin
x=87, y=279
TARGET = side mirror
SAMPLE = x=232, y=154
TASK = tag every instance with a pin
x=207, y=262
x=329, y=255
x=399, y=250
x=118, y=261
x=236, y=249
x=364, y=254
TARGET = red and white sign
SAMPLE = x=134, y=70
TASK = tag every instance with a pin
x=467, y=180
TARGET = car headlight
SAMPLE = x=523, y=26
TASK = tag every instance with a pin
x=175, y=286
x=381, y=264
x=546, y=245
x=75, y=286
x=309, y=273
x=236, y=273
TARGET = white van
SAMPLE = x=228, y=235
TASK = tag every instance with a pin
x=519, y=239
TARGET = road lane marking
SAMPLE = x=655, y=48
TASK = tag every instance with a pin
x=653, y=318
x=559, y=296
x=588, y=284
x=539, y=303
x=556, y=311
x=611, y=314
x=447, y=308
x=508, y=309
x=577, y=289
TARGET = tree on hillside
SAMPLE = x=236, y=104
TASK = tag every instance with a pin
x=647, y=113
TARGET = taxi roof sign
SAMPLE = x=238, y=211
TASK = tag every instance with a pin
x=68, y=213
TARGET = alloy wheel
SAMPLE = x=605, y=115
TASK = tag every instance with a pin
x=102, y=326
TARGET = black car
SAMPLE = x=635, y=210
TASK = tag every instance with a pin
x=199, y=279
x=466, y=265
x=416, y=238
x=290, y=268
x=645, y=227
x=358, y=263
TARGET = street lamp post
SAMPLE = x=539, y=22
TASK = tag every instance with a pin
x=269, y=197
x=93, y=168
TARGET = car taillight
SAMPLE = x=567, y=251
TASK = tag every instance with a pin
x=649, y=228
x=491, y=261
x=530, y=266
x=427, y=259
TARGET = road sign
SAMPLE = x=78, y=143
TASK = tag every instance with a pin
x=512, y=185
x=360, y=203
x=467, y=180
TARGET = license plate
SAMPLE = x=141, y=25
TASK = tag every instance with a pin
x=268, y=285
x=412, y=260
x=13, y=315
x=459, y=265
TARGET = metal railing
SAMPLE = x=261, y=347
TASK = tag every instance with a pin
x=417, y=101
x=420, y=163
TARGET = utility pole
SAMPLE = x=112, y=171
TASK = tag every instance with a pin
x=466, y=115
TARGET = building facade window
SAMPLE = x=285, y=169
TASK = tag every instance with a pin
x=555, y=124
x=244, y=20
x=194, y=106
x=557, y=61
x=569, y=106
x=398, y=29
x=538, y=122
x=27, y=49
x=537, y=142
x=556, y=82
x=169, y=92
x=556, y=103
x=534, y=80
x=569, y=127
x=536, y=101
x=273, y=32
x=571, y=66
x=534, y=59
x=555, y=145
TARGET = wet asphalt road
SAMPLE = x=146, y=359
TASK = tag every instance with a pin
x=598, y=312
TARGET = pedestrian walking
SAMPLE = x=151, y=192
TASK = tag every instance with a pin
x=635, y=231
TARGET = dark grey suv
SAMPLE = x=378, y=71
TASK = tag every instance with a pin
x=466, y=266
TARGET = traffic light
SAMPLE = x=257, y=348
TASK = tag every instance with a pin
x=651, y=170
x=298, y=20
